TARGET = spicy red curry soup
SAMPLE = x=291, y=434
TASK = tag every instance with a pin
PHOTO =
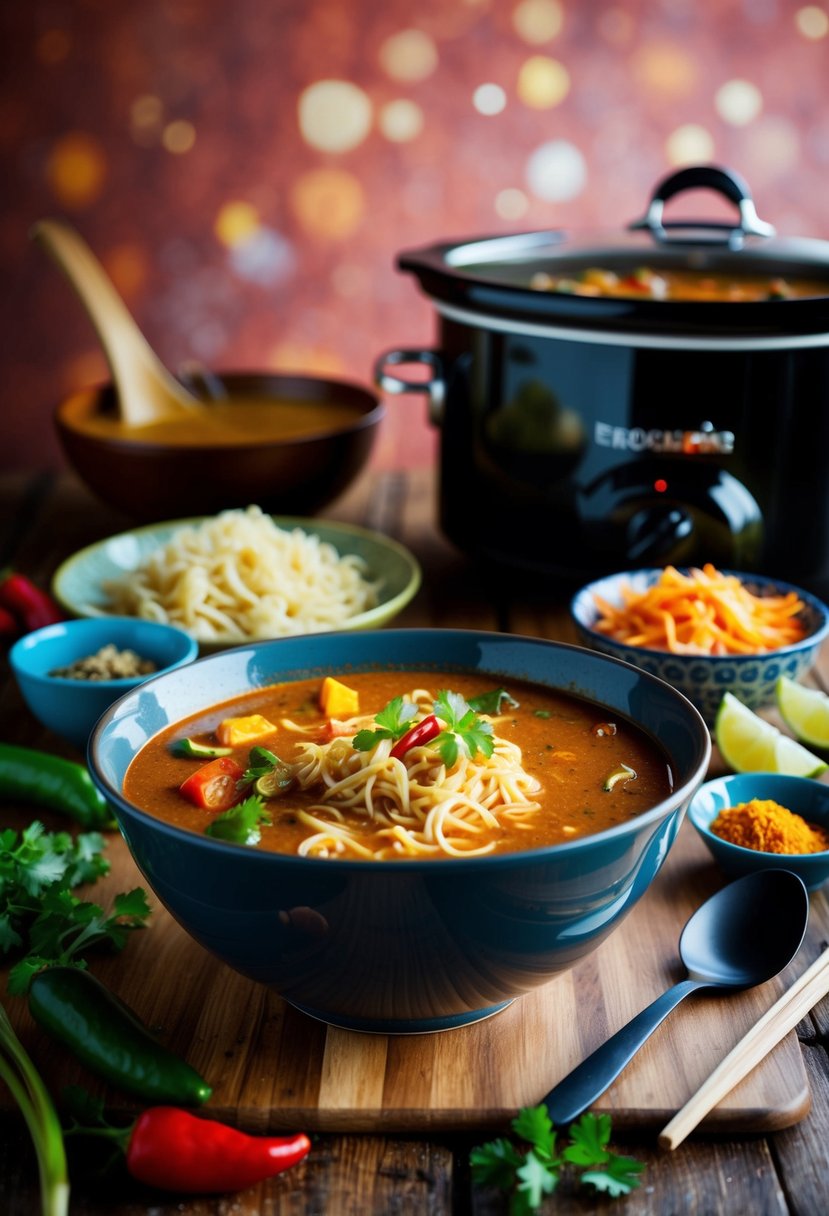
x=592, y=768
x=664, y=283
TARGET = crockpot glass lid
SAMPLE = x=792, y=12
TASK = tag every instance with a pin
x=506, y=274
x=746, y=247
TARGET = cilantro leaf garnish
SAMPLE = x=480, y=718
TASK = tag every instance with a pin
x=530, y=1169
x=464, y=729
x=536, y=1179
x=260, y=763
x=533, y=1124
x=619, y=1176
x=491, y=702
x=607, y=1171
x=34, y=859
x=66, y=927
x=40, y=917
x=240, y=824
x=496, y=1163
x=589, y=1139
x=393, y=722
x=267, y=774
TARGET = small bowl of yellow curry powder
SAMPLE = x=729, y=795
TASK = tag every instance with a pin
x=754, y=821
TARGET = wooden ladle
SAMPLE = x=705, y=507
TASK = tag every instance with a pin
x=146, y=392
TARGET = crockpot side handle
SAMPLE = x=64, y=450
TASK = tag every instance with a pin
x=709, y=177
x=435, y=386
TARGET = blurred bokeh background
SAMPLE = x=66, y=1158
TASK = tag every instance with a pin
x=248, y=171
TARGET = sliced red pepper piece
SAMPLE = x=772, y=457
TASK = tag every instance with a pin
x=422, y=732
x=214, y=786
x=334, y=729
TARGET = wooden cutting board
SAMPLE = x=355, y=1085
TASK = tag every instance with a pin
x=273, y=1067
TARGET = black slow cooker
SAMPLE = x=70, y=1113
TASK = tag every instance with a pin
x=582, y=433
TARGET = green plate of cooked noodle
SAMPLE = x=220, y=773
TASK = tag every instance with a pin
x=243, y=576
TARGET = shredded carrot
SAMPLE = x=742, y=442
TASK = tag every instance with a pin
x=702, y=612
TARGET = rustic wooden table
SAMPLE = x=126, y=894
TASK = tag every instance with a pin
x=44, y=518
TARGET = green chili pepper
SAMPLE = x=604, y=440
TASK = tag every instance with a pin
x=105, y=1035
x=62, y=785
x=191, y=747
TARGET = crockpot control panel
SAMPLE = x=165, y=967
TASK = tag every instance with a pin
x=653, y=531
x=658, y=512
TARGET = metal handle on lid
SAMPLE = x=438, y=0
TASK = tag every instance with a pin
x=435, y=386
x=710, y=177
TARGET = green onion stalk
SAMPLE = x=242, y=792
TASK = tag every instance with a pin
x=31, y=1095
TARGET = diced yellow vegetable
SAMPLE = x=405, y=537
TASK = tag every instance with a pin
x=234, y=731
x=338, y=700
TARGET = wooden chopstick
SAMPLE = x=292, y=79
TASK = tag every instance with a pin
x=773, y=1026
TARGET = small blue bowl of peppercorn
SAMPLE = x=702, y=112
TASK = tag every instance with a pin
x=754, y=821
x=68, y=673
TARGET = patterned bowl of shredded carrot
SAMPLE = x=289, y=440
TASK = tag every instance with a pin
x=753, y=821
x=703, y=630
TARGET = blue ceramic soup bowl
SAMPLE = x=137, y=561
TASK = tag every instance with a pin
x=412, y=945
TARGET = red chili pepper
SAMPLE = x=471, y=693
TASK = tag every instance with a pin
x=177, y=1151
x=33, y=607
x=214, y=786
x=422, y=732
x=634, y=283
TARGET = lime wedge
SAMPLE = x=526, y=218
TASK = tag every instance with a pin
x=749, y=744
x=805, y=711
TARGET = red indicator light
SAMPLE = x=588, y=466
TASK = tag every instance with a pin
x=660, y=485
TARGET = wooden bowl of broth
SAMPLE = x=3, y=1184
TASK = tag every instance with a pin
x=288, y=443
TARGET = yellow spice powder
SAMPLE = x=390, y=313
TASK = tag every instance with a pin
x=767, y=826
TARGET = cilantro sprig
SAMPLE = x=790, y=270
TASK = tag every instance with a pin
x=41, y=918
x=493, y=701
x=532, y=1168
x=260, y=762
x=45, y=923
x=241, y=823
x=393, y=721
x=463, y=728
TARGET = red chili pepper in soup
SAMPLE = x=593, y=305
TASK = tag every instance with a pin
x=214, y=786
x=422, y=732
x=177, y=1151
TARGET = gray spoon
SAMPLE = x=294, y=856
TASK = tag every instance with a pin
x=742, y=936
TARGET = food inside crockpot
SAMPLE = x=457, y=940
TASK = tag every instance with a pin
x=646, y=283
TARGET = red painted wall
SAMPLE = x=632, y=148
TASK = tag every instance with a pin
x=247, y=172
